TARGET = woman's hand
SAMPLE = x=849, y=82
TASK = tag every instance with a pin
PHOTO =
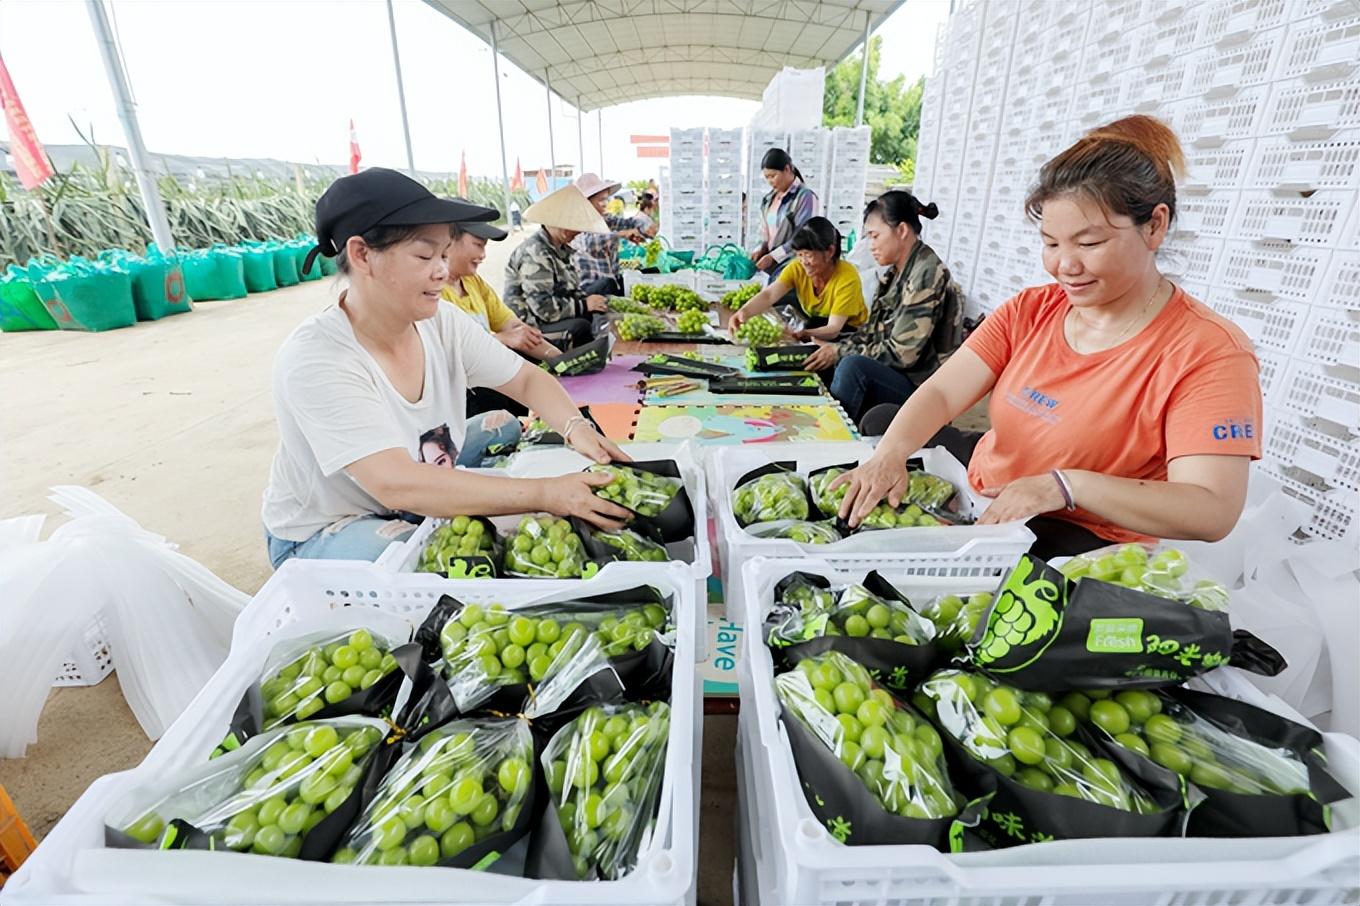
x=1022, y=498
x=592, y=445
x=739, y=317
x=883, y=476
x=496, y=418
x=597, y=303
x=765, y=262
x=825, y=357
x=574, y=495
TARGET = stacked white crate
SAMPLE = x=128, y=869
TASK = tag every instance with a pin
x=722, y=188
x=1265, y=96
x=685, y=200
x=758, y=142
x=843, y=203
x=811, y=153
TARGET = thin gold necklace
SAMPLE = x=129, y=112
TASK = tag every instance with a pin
x=1156, y=290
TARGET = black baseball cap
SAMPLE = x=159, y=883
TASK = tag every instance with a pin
x=483, y=230
x=355, y=204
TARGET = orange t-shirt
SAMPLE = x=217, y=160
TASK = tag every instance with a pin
x=1186, y=384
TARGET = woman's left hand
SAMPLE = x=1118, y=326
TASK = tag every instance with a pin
x=496, y=419
x=594, y=446
x=765, y=262
x=1022, y=499
x=825, y=357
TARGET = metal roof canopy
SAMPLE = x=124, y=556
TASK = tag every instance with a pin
x=596, y=53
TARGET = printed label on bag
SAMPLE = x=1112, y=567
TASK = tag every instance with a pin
x=1115, y=636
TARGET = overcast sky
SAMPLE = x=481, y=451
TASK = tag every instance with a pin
x=282, y=78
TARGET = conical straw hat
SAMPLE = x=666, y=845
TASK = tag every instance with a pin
x=567, y=209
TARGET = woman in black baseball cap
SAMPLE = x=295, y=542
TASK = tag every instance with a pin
x=365, y=389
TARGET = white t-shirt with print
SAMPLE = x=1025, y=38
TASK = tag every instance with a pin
x=335, y=405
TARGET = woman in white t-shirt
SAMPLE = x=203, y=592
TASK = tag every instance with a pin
x=370, y=393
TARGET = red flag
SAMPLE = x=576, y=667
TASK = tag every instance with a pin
x=462, y=176
x=354, y=155
x=541, y=183
x=30, y=160
x=518, y=181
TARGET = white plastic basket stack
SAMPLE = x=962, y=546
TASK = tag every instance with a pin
x=786, y=856
x=73, y=865
x=549, y=462
x=843, y=203
x=811, y=153
x=984, y=551
x=722, y=188
x=685, y=202
x=758, y=141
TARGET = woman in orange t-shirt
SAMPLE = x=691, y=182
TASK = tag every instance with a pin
x=1121, y=408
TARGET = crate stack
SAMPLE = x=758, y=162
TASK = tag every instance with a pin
x=683, y=205
x=758, y=142
x=811, y=153
x=1265, y=96
x=722, y=188
x=843, y=203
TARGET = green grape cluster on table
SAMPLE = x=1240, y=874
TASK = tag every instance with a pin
x=457, y=786
x=759, y=331
x=461, y=536
x=325, y=675
x=895, y=754
x=1162, y=573
x=290, y=786
x=623, y=305
x=1194, y=747
x=691, y=321
x=957, y=618
x=801, y=531
x=544, y=546
x=1028, y=737
x=670, y=296
x=494, y=646
x=640, y=326
x=632, y=546
x=645, y=493
x=735, y=299
x=604, y=773
x=778, y=495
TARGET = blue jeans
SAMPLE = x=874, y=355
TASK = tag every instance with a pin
x=860, y=383
x=366, y=537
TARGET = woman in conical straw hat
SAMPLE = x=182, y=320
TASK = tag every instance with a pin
x=542, y=284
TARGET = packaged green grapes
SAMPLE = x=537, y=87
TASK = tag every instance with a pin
x=1260, y=774
x=604, y=772
x=464, y=547
x=770, y=493
x=544, y=546
x=872, y=769
x=870, y=622
x=1045, y=631
x=1156, y=569
x=1052, y=780
x=655, y=491
x=291, y=791
x=956, y=617
x=640, y=544
x=460, y=797
x=797, y=530
x=588, y=358
x=925, y=503
x=778, y=358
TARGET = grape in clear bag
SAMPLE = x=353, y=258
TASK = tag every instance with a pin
x=1156, y=569
x=459, y=797
x=623, y=544
x=291, y=791
x=604, y=773
x=459, y=546
x=769, y=494
x=956, y=617
x=795, y=530
x=546, y=547
x=645, y=493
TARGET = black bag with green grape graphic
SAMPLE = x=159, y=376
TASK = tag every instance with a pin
x=1047, y=633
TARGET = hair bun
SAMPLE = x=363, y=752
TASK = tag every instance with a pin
x=930, y=211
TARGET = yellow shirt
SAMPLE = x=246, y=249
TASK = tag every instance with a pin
x=842, y=294
x=480, y=301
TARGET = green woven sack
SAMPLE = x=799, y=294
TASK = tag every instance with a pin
x=20, y=307
x=85, y=295
x=285, y=264
x=258, y=265
x=157, y=282
x=215, y=273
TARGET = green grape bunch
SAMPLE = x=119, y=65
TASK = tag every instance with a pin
x=1023, y=614
x=461, y=536
x=924, y=490
x=604, y=772
x=325, y=675
x=810, y=599
x=459, y=785
x=645, y=493
x=632, y=546
x=760, y=331
x=778, y=495
x=735, y=299
x=956, y=619
x=670, y=296
x=289, y=786
x=860, y=614
x=622, y=305
x=896, y=755
x=640, y=326
x=653, y=253
x=544, y=546
x=691, y=321
x=1162, y=573
x=800, y=531
x=496, y=647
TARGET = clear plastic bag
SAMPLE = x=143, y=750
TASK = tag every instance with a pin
x=1029, y=738
x=898, y=756
x=771, y=497
x=265, y=797
x=642, y=492
x=795, y=530
x=544, y=547
x=461, y=536
x=604, y=771
x=853, y=611
x=459, y=785
x=632, y=546
x=956, y=618
x=1156, y=569
x=307, y=673
x=923, y=504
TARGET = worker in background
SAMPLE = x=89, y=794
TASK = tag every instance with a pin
x=915, y=320
x=646, y=215
x=788, y=205
x=828, y=289
x=597, y=254
x=542, y=285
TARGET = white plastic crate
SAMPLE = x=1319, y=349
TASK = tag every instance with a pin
x=1342, y=287
x=1209, y=121
x=1310, y=391
x=1328, y=43
x=1208, y=214
x=1230, y=21
x=1334, y=512
x=1273, y=366
x=958, y=550
x=1222, y=70
x=1112, y=20
x=1223, y=167
x=1318, y=219
x=1190, y=258
x=89, y=660
x=1331, y=337
x=787, y=856
x=1174, y=32
x=73, y=861
x=713, y=287
x=1334, y=459
x=1306, y=109
x=1330, y=163
x=1273, y=268
x=1273, y=325
x=680, y=278
x=549, y=462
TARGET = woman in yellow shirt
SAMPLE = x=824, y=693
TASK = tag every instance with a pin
x=827, y=288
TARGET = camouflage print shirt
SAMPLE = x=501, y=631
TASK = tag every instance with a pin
x=542, y=285
x=904, y=314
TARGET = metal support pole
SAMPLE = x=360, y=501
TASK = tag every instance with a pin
x=552, y=148
x=401, y=91
x=863, y=72
x=122, y=98
x=500, y=118
x=599, y=125
x=580, y=137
